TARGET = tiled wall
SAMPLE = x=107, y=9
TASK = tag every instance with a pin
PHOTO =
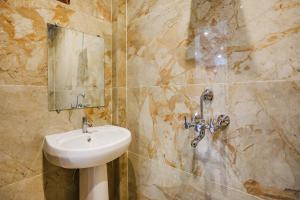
x=151, y=91
x=248, y=53
x=25, y=119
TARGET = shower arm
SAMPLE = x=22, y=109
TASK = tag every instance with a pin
x=207, y=95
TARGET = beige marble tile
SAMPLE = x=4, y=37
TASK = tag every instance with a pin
x=103, y=115
x=212, y=41
x=172, y=44
x=270, y=46
x=23, y=36
x=119, y=43
x=97, y=8
x=123, y=174
x=119, y=106
x=24, y=174
x=155, y=117
x=61, y=184
x=24, y=123
x=31, y=188
x=264, y=124
x=118, y=178
x=157, y=34
x=162, y=44
x=149, y=179
x=263, y=138
x=258, y=154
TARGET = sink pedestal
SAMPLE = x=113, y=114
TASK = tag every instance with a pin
x=93, y=183
x=88, y=152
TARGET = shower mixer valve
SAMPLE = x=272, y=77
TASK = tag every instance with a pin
x=200, y=125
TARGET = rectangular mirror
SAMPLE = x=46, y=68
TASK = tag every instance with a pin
x=75, y=69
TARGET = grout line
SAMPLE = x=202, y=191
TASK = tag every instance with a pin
x=216, y=83
x=149, y=86
x=20, y=85
x=126, y=92
x=20, y=181
x=112, y=117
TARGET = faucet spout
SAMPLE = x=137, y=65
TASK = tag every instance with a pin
x=85, y=125
x=196, y=140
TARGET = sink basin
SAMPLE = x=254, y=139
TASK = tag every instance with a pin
x=75, y=149
x=90, y=152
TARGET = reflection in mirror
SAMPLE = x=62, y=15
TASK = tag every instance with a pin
x=75, y=69
x=209, y=45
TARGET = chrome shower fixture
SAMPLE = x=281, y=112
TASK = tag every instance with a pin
x=200, y=124
x=206, y=96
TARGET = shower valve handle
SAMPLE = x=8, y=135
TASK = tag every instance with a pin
x=186, y=125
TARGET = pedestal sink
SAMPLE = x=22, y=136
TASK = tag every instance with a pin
x=89, y=152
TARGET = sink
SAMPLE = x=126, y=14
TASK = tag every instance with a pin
x=75, y=149
x=89, y=152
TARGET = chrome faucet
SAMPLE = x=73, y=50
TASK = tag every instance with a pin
x=200, y=125
x=197, y=139
x=85, y=125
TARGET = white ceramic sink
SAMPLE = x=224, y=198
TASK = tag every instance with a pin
x=75, y=149
x=90, y=152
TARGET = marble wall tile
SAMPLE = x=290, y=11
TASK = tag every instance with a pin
x=262, y=133
x=24, y=173
x=158, y=33
x=97, y=8
x=263, y=137
x=152, y=180
x=59, y=185
x=248, y=54
x=269, y=48
x=103, y=115
x=119, y=43
x=123, y=174
x=162, y=42
x=119, y=106
x=155, y=117
x=118, y=178
x=24, y=123
x=23, y=36
x=31, y=188
x=201, y=41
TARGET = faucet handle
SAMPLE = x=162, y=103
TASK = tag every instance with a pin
x=186, y=125
x=85, y=121
x=196, y=118
x=223, y=121
x=90, y=124
x=207, y=95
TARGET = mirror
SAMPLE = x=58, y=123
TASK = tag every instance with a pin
x=75, y=69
